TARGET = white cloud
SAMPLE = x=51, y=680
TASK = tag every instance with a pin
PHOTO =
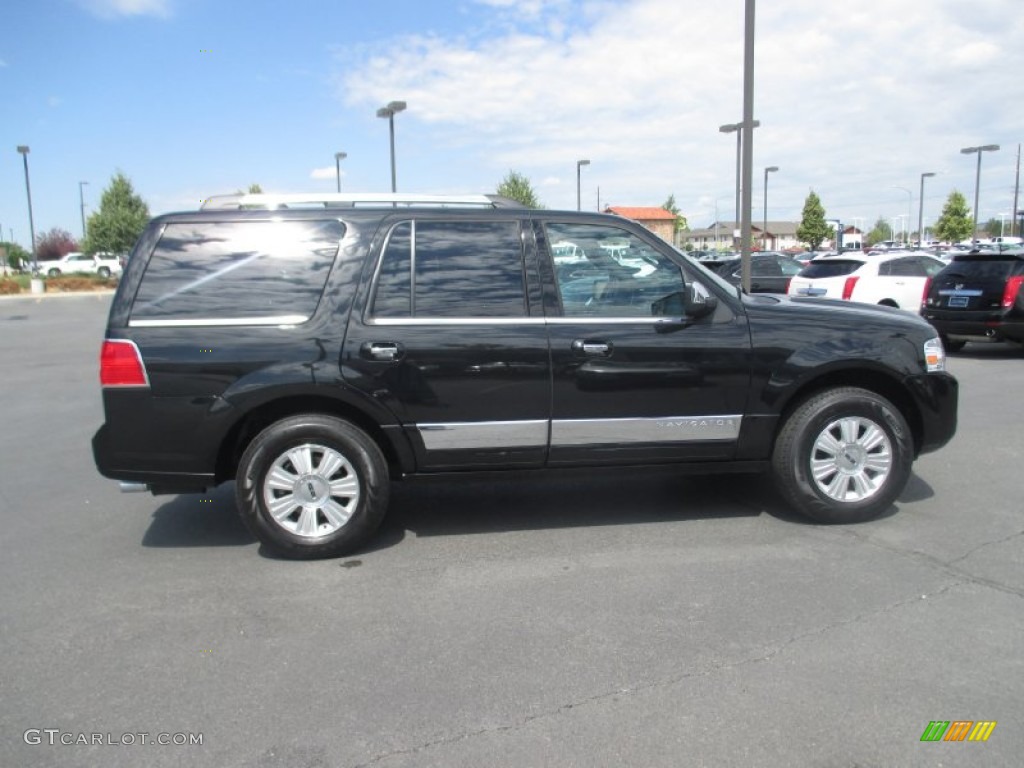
x=327, y=172
x=852, y=99
x=108, y=9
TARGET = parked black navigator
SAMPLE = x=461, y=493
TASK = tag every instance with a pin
x=316, y=349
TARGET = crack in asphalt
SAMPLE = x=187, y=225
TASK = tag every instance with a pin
x=942, y=565
x=713, y=668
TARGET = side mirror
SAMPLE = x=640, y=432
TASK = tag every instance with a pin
x=699, y=301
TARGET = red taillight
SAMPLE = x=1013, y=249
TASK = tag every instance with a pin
x=848, y=287
x=788, y=281
x=1010, y=291
x=121, y=365
x=924, y=295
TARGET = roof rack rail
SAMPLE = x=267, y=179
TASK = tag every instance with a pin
x=352, y=200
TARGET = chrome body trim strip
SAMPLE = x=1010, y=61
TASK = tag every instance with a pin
x=577, y=432
x=456, y=321
x=219, y=321
x=665, y=429
x=484, y=434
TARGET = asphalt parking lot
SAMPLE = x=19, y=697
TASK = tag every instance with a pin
x=579, y=619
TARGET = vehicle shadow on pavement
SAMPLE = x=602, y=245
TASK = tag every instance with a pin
x=505, y=502
x=198, y=520
x=569, y=499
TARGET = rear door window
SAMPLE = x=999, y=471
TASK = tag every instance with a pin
x=830, y=268
x=449, y=269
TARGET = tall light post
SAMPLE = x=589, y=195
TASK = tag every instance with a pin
x=338, y=157
x=977, y=179
x=23, y=151
x=764, y=220
x=81, y=203
x=910, y=203
x=579, y=164
x=920, y=210
x=392, y=109
x=737, y=129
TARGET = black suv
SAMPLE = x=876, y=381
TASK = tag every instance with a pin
x=978, y=297
x=315, y=354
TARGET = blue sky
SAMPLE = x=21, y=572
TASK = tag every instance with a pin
x=193, y=97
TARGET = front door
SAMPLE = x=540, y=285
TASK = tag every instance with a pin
x=633, y=381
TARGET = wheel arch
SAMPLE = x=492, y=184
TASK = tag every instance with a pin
x=260, y=417
x=865, y=378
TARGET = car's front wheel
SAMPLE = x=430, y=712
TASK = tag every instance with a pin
x=312, y=486
x=103, y=272
x=53, y=272
x=843, y=455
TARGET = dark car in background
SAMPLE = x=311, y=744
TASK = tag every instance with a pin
x=978, y=297
x=770, y=272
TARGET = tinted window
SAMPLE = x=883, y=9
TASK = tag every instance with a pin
x=451, y=269
x=237, y=270
x=616, y=274
x=984, y=269
x=394, y=286
x=830, y=268
x=790, y=267
x=909, y=267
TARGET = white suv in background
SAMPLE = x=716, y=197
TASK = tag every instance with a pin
x=895, y=280
x=102, y=264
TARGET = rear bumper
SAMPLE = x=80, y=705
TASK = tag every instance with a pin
x=977, y=328
x=937, y=397
x=156, y=482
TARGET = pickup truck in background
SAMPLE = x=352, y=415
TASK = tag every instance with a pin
x=102, y=264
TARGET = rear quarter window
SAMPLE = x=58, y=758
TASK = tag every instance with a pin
x=831, y=268
x=237, y=271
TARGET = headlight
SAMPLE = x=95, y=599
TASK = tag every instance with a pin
x=934, y=355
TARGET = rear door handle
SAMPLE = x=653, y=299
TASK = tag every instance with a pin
x=592, y=348
x=382, y=351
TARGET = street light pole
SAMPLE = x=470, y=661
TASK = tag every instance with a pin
x=737, y=128
x=338, y=157
x=23, y=151
x=764, y=220
x=920, y=211
x=910, y=202
x=81, y=203
x=393, y=108
x=977, y=179
x=579, y=164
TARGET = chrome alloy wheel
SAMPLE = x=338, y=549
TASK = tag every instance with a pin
x=851, y=459
x=311, y=490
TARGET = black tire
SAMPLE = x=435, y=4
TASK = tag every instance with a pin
x=859, y=455
x=302, y=451
x=103, y=272
x=53, y=273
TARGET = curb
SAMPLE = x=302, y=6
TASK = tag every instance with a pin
x=57, y=295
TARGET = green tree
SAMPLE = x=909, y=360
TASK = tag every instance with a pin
x=121, y=217
x=955, y=223
x=516, y=186
x=992, y=228
x=670, y=205
x=879, y=233
x=813, y=228
x=254, y=189
x=16, y=256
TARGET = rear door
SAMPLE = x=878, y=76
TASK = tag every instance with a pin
x=631, y=380
x=451, y=338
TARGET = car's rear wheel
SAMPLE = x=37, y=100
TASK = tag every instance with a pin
x=53, y=273
x=103, y=272
x=312, y=486
x=843, y=456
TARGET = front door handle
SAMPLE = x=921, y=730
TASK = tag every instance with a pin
x=382, y=351
x=592, y=348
